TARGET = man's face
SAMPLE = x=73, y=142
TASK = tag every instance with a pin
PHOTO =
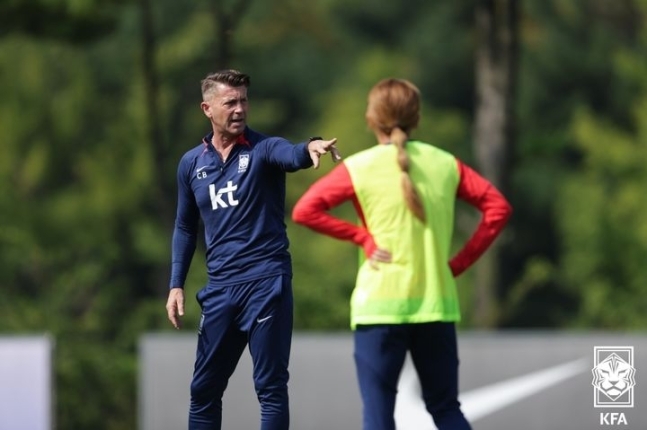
x=226, y=107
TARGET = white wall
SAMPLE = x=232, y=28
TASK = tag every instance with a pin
x=26, y=383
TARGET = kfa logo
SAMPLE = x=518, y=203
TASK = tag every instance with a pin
x=612, y=419
x=613, y=381
x=217, y=196
x=614, y=376
x=243, y=162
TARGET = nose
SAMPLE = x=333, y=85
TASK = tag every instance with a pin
x=239, y=108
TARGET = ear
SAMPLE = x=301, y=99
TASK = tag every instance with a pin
x=206, y=109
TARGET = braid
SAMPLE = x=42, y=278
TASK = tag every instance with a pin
x=411, y=196
x=393, y=110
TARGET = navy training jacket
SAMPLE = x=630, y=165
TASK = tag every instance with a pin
x=241, y=203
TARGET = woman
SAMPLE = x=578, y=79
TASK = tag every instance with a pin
x=405, y=298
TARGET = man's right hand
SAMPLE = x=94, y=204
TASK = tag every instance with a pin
x=175, y=306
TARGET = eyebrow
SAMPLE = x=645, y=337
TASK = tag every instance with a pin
x=234, y=99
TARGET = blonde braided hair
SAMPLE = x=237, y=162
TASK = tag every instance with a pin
x=394, y=109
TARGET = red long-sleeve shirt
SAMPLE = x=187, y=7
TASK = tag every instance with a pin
x=336, y=187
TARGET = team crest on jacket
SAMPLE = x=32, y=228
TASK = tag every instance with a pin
x=243, y=162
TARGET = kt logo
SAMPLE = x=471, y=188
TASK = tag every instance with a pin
x=217, y=196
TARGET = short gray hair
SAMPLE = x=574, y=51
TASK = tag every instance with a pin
x=230, y=77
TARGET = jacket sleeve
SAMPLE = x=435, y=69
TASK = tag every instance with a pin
x=495, y=212
x=331, y=190
x=289, y=156
x=185, y=231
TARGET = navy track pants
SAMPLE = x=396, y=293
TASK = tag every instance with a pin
x=259, y=314
x=380, y=351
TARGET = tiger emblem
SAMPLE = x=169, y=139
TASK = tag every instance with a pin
x=614, y=376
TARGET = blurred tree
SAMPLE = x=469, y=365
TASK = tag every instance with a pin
x=600, y=209
x=496, y=71
x=151, y=80
x=576, y=56
x=227, y=15
x=71, y=21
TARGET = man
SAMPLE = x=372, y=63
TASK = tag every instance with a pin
x=234, y=181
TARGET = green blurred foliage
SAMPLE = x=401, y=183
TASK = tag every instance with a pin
x=602, y=206
x=84, y=238
x=581, y=63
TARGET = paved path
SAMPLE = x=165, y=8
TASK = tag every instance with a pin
x=519, y=380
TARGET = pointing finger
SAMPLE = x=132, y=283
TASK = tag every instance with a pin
x=335, y=154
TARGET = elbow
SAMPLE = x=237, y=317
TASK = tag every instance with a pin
x=499, y=216
x=299, y=214
x=502, y=215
